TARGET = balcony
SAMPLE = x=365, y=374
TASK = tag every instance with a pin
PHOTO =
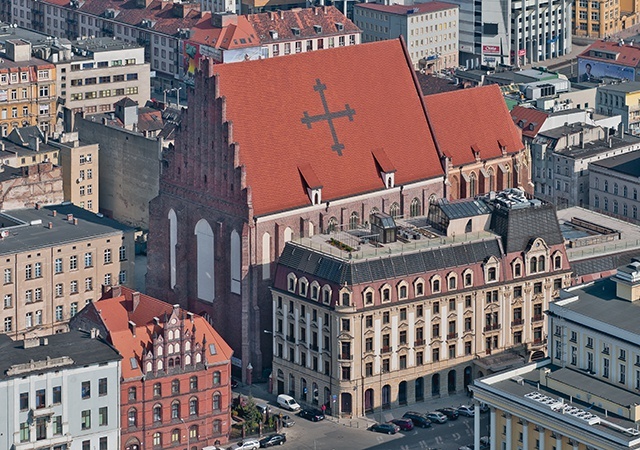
x=517, y=322
x=492, y=327
x=314, y=347
x=537, y=318
x=538, y=343
x=385, y=349
x=452, y=336
x=291, y=338
x=345, y=357
x=419, y=342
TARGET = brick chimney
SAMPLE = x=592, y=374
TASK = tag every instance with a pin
x=135, y=297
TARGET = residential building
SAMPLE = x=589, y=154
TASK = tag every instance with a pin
x=59, y=392
x=493, y=32
x=490, y=154
x=132, y=143
x=228, y=198
x=609, y=59
x=176, y=372
x=561, y=158
x=26, y=187
x=599, y=19
x=54, y=260
x=381, y=323
x=27, y=89
x=26, y=146
x=614, y=184
x=585, y=394
x=430, y=30
x=303, y=30
x=621, y=99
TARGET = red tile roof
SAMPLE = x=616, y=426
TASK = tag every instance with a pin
x=117, y=312
x=530, y=120
x=476, y=117
x=304, y=20
x=237, y=34
x=626, y=55
x=418, y=8
x=272, y=103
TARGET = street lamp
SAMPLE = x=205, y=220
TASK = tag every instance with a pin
x=177, y=91
x=249, y=376
x=187, y=429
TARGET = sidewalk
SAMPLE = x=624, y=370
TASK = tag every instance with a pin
x=261, y=394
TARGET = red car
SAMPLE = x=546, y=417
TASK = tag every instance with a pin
x=403, y=424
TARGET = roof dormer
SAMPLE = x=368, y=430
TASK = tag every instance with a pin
x=312, y=182
x=339, y=26
x=295, y=31
x=385, y=167
x=274, y=34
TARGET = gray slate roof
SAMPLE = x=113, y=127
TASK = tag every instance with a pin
x=602, y=263
x=77, y=345
x=341, y=271
x=628, y=163
x=518, y=227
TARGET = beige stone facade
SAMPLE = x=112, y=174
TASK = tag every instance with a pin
x=358, y=342
x=80, y=162
x=54, y=260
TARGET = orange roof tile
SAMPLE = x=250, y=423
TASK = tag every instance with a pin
x=117, y=312
x=530, y=120
x=235, y=35
x=276, y=108
x=476, y=117
x=418, y=8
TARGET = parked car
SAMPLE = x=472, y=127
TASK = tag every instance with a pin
x=437, y=417
x=451, y=413
x=273, y=439
x=311, y=414
x=389, y=428
x=287, y=421
x=247, y=444
x=287, y=402
x=403, y=424
x=466, y=410
x=418, y=419
x=264, y=409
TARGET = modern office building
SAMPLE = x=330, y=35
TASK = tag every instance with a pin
x=60, y=392
x=585, y=395
x=54, y=260
x=400, y=311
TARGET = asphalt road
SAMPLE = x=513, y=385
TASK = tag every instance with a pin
x=328, y=435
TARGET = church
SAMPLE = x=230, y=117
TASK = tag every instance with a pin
x=279, y=149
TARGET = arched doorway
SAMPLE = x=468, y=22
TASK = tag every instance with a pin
x=435, y=385
x=402, y=393
x=468, y=377
x=280, y=384
x=451, y=382
x=368, y=400
x=345, y=403
x=386, y=396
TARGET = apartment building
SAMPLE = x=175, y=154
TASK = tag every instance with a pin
x=28, y=145
x=176, y=380
x=601, y=18
x=494, y=32
x=614, y=184
x=60, y=392
x=54, y=260
x=408, y=310
x=562, y=156
x=621, y=99
x=586, y=394
x=81, y=170
x=430, y=30
x=27, y=89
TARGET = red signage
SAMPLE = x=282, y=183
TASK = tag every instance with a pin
x=522, y=52
x=491, y=49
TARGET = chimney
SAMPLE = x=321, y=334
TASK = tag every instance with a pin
x=272, y=15
x=75, y=221
x=116, y=291
x=135, y=296
x=156, y=320
x=55, y=213
x=50, y=226
x=37, y=205
x=190, y=315
x=132, y=327
x=69, y=218
x=281, y=14
x=627, y=279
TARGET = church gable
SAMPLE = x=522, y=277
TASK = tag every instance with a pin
x=311, y=123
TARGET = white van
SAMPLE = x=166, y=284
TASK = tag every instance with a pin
x=287, y=402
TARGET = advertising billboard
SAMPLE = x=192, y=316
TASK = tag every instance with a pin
x=589, y=69
x=190, y=60
x=491, y=49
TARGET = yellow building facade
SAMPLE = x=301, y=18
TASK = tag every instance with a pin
x=27, y=89
x=602, y=18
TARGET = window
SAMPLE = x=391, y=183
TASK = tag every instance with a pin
x=175, y=410
x=28, y=322
x=73, y=262
x=25, y=434
x=88, y=259
x=8, y=324
x=132, y=394
x=28, y=296
x=122, y=277
x=132, y=418
x=193, y=407
x=86, y=419
x=7, y=276
x=57, y=425
x=24, y=401
x=193, y=383
x=57, y=395
x=491, y=274
x=122, y=253
x=73, y=309
x=107, y=279
x=58, y=265
x=175, y=386
x=28, y=273
x=175, y=436
x=103, y=443
x=157, y=390
x=102, y=386
x=88, y=284
x=385, y=317
x=435, y=285
x=103, y=416
x=217, y=401
x=40, y=399
x=37, y=269
x=107, y=256
x=73, y=287
x=86, y=389
x=623, y=374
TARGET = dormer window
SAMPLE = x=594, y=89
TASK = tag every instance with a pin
x=386, y=168
x=389, y=179
x=295, y=31
x=274, y=34
x=314, y=188
x=339, y=26
x=317, y=29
